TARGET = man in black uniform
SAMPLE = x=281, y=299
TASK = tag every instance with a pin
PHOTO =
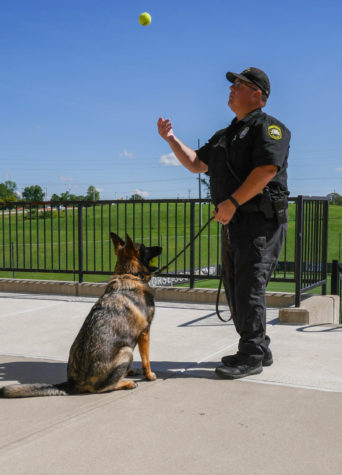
x=247, y=164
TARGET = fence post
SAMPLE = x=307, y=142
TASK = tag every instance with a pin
x=335, y=277
x=80, y=243
x=298, y=249
x=325, y=246
x=12, y=258
x=192, y=245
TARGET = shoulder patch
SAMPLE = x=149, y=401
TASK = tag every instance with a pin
x=275, y=132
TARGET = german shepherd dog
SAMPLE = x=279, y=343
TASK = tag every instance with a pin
x=102, y=353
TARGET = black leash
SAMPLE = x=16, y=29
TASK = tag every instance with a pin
x=218, y=301
x=181, y=252
x=185, y=248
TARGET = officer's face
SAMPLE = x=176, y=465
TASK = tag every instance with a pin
x=243, y=98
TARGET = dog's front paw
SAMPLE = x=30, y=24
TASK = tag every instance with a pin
x=129, y=385
x=151, y=376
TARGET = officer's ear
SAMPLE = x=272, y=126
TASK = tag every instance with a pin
x=260, y=97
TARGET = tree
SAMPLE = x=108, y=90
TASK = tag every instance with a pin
x=8, y=191
x=33, y=193
x=92, y=194
x=11, y=186
x=206, y=183
x=335, y=198
x=136, y=196
x=55, y=197
x=65, y=196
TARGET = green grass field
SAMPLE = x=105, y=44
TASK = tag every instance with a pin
x=48, y=240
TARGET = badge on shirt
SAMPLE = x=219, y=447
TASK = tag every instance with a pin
x=244, y=132
x=275, y=132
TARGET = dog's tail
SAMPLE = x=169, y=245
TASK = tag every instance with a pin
x=35, y=390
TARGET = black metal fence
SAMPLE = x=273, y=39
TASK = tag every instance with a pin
x=73, y=238
x=311, y=244
x=336, y=282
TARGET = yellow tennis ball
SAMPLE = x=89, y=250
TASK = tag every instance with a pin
x=145, y=19
x=154, y=262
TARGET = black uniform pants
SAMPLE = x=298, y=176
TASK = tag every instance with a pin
x=251, y=246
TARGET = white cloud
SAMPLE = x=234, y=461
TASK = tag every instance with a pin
x=143, y=194
x=339, y=170
x=169, y=159
x=66, y=178
x=126, y=154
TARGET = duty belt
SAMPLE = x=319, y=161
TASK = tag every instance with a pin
x=266, y=208
x=270, y=209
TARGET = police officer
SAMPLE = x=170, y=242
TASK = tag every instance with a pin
x=247, y=166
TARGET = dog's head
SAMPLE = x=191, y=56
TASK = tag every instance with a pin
x=134, y=258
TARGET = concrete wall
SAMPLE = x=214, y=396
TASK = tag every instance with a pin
x=314, y=309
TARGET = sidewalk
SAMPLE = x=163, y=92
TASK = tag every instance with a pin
x=287, y=420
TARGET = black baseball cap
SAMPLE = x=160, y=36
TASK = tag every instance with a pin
x=254, y=76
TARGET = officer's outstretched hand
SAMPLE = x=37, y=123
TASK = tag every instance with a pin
x=224, y=212
x=165, y=128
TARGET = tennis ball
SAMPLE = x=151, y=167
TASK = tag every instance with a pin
x=145, y=19
x=154, y=262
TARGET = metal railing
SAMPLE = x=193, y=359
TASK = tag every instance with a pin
x=336, y=282
x=311, y=244
x=74, y=238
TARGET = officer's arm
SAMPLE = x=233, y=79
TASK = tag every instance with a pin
x=255, y=183
x=185, y=154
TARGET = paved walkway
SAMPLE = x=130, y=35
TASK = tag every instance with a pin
x=287, y=420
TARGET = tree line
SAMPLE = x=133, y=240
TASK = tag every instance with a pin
x=34, y=193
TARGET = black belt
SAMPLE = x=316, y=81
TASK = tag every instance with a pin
x=249, y=208
x=270, y=209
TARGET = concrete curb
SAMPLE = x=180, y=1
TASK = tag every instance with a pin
x=183, y=294
x=314, y=309
x=163, y=294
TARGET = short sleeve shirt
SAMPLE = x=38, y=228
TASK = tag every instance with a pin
x=232, y=153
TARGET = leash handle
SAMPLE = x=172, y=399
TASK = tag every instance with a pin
x=218, y=301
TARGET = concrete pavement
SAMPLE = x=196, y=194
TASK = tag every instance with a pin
x=285, y=420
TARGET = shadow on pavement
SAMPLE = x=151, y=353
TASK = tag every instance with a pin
x=28, y=372
x=183, y=369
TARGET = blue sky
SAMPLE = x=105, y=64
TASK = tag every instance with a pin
x=82, y=85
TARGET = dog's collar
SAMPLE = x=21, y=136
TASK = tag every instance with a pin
x=142, y=276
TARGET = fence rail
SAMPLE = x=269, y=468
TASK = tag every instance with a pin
x=74, y=238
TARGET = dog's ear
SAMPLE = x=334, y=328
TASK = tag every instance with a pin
x=130, y=250
x=129, y=246
x=117, y=241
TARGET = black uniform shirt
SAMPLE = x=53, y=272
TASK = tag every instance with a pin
x=232, y=153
